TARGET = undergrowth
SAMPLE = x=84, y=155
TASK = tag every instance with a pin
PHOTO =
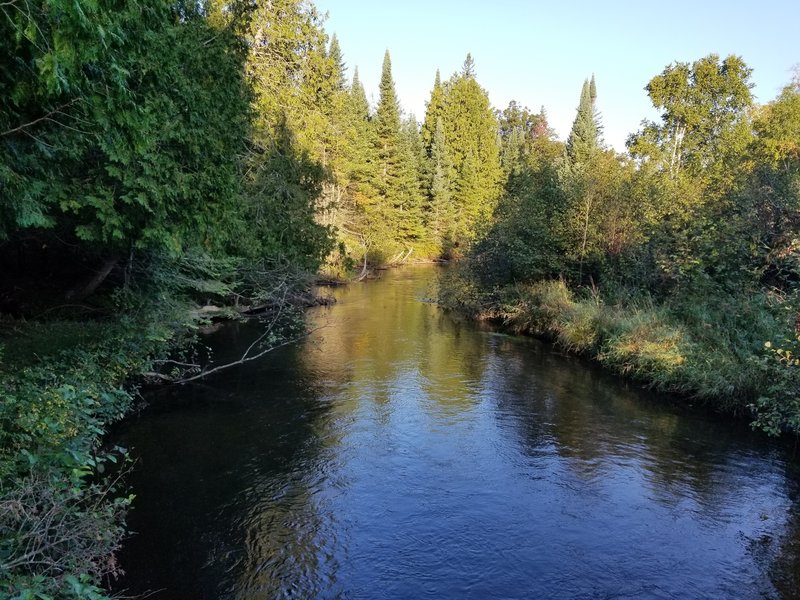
x=704, y=347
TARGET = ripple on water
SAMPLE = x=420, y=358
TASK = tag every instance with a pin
x=402, y=454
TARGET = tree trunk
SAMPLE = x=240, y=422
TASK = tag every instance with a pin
x=91, y=286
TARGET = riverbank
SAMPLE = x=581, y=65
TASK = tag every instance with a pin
x=283, y=477
x=63, y=382
x=729, y=353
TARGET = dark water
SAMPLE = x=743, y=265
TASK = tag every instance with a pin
x=400, y=453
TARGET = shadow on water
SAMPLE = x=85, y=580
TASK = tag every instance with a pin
x=402, y=453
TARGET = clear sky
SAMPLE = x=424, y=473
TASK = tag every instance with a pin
x=539, y=53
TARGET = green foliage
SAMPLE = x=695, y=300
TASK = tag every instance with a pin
x=117, y=129
x=433, y=114
x=521, y=134
x=60, y=521
x=779, y=408
x=703, y=121
x=473, y=153
x=583, y=140
x=673, y=268
x=187, y=143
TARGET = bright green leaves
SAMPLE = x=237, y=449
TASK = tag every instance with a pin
x=777, y=128
x=127, y=139
x=704, y=116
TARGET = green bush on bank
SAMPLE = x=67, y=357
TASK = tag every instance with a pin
x=63, y=382
x=60, y=519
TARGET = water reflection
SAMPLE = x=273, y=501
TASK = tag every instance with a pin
x=403, y=453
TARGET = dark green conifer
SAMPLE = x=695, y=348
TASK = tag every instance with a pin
x=358, y=97
x=337, y=63
x=433, y=113
x=583, y=140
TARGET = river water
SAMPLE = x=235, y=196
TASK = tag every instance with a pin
x=402, y=453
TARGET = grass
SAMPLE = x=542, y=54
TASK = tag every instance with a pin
x=704, y=347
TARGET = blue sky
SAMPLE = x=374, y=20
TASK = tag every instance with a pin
x=539, y=53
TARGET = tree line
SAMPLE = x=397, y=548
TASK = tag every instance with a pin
x=677, y=261
x=160, y=154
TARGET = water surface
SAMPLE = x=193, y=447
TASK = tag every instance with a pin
x=402, y=453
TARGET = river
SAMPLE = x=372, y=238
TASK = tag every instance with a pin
x=400, y=452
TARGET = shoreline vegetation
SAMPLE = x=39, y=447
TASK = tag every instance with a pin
x=694, y=351
x=168, y=163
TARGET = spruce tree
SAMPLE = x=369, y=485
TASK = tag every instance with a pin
x=440, y=208
x=433, y=113
x=409, y=195
x=337, y=64
x=391, y=197
x=583, y=140
x=387, y=128
x=468, y=68
x=358, y=98
x=470, y=131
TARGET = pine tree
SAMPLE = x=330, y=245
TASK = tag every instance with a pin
x=387, y=128
x=434, y=112
x=468, y=69
x=409, y=195
x=583, y=140
x=440, y=208
x=390, y=194
x=337, y=63
x=358, y=98
x=470, y=131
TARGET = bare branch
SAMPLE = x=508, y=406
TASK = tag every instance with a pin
x=42, y=118
x=245, y=359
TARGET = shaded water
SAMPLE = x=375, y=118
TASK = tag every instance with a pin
x=400, y=453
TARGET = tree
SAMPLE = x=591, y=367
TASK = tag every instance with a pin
x=291, y=73
x=433, y=112
x=116, y=130
x=693, y=163
x=583, y=140
x=770, y=204
x=388, y=194
x=296, y=103
x=337, y=64
x=704, y=116
x=470, y=133
x=439, y=195
x=520, y=129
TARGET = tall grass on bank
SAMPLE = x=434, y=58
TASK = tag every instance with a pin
x=706, y=348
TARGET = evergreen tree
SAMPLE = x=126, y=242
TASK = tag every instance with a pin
x=410, y=193
x=337, y=63
x=583, y=140
x=389, y=196
x=470, y=133
x=519, y=130
x=440, y=208
x=433, y=113
x=359, y=136
x=387, y=129
x=358, y=98
x=468, y=68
